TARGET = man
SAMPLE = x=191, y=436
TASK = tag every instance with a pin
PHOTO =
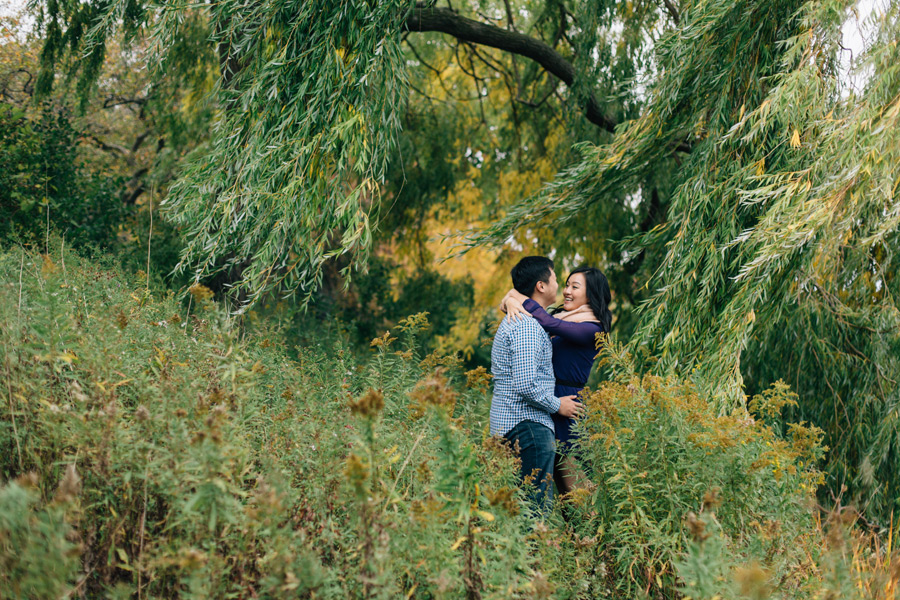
x=523, y=397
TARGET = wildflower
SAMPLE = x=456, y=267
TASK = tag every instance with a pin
x=109, y=410
x=504, y=498
x=696, y=527
x=434, y=391
x=442, y=582
x=541, y=586
x=806, y=441
x=290, y=582
x=498, y=446
x=578, y=496
x=369, y=404
x=258, y=367
x=754, y=581
x=48, y=268
x=356, y=470
x=69, y=485
x=711, y=500
x=191, y=559
x=383, y=341
x=413, y=323
x=436, y=359
x=540, y=529
x=478, y=379
x=267, y=496
x=772, y=401
x=77, y=392
x=200, y=292
x=29, y=480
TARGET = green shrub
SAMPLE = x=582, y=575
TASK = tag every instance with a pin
x=688, y=501
x=36, y=558
x=662, y=456
x=44, y=185
x=214, y=467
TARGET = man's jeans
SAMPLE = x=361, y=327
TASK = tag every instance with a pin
x=537, y=450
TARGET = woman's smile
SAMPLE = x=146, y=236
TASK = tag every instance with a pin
x=575, y=292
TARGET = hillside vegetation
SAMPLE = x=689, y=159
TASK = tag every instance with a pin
x=153, y=448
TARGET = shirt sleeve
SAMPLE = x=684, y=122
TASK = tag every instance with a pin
x=525, y=349
x=581, y=334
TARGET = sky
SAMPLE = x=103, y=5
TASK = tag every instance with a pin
x=11, y=7
x=856, y=30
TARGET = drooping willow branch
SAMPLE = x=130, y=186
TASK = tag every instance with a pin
x=445, y=20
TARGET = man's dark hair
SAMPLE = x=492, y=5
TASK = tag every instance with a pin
x=529, y=271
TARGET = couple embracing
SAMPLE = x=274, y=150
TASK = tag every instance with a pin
x=537, y=377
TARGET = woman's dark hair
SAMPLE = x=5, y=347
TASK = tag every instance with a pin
x=598, y=294
x=529, y=271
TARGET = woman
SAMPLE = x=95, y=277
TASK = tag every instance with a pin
x=573, y=329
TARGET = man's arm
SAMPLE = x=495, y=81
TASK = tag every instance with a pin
x=525, y=348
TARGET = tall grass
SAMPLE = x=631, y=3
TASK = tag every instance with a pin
x=154, y=449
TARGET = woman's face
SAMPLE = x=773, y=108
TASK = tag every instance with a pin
x=575, y=293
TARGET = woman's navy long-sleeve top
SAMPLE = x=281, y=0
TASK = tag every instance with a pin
x=574, y=349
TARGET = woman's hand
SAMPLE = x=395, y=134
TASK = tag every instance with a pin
x=514, y=309
x=512, y=305
x=515, y=297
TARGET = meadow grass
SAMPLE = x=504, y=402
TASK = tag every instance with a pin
x=156, y=448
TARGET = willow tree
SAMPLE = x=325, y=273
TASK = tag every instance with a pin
x=776, y=258
x=760, y=185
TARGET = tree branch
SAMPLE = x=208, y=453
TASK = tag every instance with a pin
x=139, y=141
x=114, y=101
x=422, y=60
x=509, y=16
x=8, y=80
x=447, y=21
x=135, y=187
x=673, y=12
x=110, y=147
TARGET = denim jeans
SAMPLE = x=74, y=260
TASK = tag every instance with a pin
x=537, y=449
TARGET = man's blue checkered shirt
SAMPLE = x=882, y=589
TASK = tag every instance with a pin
x=521, y=362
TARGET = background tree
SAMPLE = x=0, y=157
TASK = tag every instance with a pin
x=482, y=129
x=85, y=165
x=42, y=176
